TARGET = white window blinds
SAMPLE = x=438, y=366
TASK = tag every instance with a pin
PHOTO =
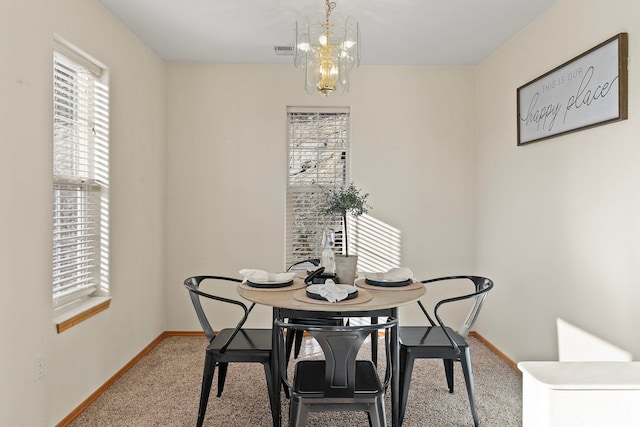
x=318, y=161
x=80, y=182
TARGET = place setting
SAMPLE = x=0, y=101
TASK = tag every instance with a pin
x=395, y=279
x=260, y=280
x=332, y=293
x=327, y=291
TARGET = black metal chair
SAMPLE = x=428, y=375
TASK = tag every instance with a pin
x=228, y=345
x=439, y=341
x=296, y=335
x=340, y=382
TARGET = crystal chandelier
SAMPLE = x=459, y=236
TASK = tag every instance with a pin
x=327, y=49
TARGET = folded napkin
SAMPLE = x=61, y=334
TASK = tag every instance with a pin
x=264, y=276
x=332, y=292
x=398, y=274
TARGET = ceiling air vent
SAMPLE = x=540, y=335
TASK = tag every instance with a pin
x=284, y=50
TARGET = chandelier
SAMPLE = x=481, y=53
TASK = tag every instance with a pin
x=327, y=49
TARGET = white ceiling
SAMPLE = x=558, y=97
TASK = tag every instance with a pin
x=393, y=32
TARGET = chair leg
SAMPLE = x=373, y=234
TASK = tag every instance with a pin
x=222, y=375
x=374, y=343
x=271, y=386
x=288, y=347
x=298, y=336
x=448, y=371
x=298, y=413
x=379, y=419
x=465, y=360
x=289, y=342
x=207, y=379
x=406, y=369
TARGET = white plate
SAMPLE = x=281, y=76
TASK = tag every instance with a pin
x=268, y=284
x=375, y=277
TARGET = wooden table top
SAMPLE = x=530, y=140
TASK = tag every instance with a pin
x=369, y=298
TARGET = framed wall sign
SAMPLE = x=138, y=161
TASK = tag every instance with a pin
x=589, y=90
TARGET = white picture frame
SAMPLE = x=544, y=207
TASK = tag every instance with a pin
x=587, y=91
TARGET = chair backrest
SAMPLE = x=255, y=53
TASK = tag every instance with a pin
x=305, y=264
x=193, y=285
x=482, y=286
x=340, y=345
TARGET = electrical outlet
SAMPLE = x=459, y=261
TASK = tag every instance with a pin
x=38, y=366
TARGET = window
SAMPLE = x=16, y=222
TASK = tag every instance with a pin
x=80, y=180
x=318, y=161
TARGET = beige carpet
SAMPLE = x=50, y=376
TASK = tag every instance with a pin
x=163, y=390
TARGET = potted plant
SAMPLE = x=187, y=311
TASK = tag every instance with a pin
x=341, y=202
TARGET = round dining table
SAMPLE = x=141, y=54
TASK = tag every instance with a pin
x=372, y=301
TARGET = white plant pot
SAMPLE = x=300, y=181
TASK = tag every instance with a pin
x=346, y=268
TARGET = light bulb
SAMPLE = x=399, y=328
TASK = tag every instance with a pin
x=304, y=47
x=328, y=72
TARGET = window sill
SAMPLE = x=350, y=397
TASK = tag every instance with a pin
x=81, y=312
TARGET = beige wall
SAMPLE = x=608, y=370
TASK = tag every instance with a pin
x=81, y=359
x=558, y=219
x=554, y=223
x=412, y=150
